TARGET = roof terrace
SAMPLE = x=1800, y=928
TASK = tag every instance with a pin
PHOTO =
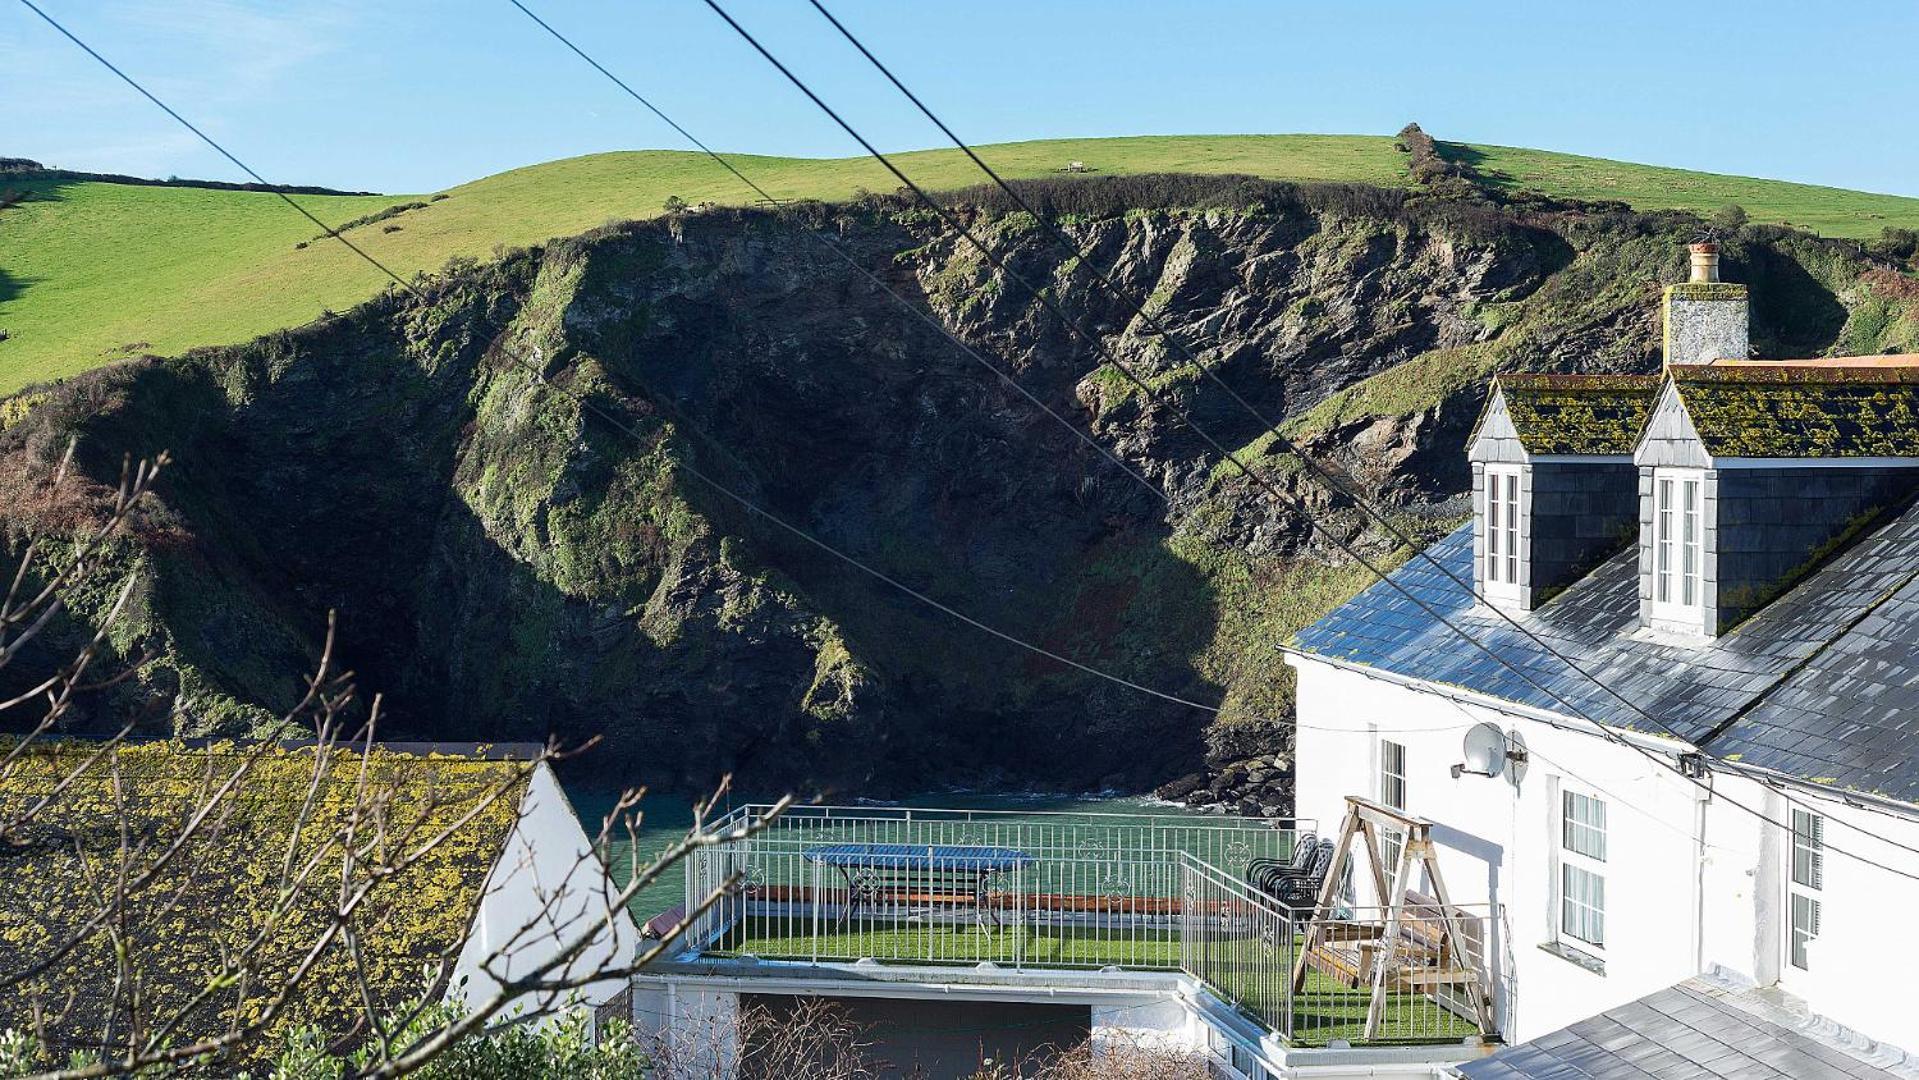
x=992, y=892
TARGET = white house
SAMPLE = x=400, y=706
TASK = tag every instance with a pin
x=1687, y=605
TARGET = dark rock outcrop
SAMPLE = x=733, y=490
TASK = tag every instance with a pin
x=509, y=562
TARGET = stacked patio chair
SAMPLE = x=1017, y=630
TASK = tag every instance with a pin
x=1294, y=885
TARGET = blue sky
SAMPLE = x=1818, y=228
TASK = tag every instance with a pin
x=414, y=95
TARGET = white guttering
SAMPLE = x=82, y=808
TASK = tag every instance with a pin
x=1662, y=744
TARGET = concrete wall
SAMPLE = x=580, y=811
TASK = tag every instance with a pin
x=925, y=1033
x=547, y=875
x=693, y=1033
x=1691, y=881
x=947, y=1040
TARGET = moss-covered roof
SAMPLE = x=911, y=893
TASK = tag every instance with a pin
x=1578, y=414
x=210, y=896
x=1787, y=410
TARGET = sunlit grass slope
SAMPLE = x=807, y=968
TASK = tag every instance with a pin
x=93, y=271
x=1827, y=211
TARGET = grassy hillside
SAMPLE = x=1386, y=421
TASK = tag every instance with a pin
x=1827, y=211
x=93, y=271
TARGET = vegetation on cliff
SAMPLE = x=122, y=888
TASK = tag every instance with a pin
x=507, y=564
x=93, y=271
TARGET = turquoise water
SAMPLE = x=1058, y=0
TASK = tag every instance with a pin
x=667, y=819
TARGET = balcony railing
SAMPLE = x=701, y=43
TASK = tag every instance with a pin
x=1252, y=954
x=1146, y=892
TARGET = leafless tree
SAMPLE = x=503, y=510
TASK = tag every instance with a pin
x=1114, y=1057
x=349, y=839
x=813, y=1040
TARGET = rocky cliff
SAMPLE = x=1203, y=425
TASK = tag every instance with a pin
x=506, y=563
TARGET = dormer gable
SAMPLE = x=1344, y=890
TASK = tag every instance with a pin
x=1553, y=480
x=1750, y=472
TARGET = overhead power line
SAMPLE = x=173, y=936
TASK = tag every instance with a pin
x=619, y=423
x=506, y=348
x=1229, y=455
x=1327, y=477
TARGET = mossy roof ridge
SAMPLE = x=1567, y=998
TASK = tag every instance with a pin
x=211, y=896
x=1578, y=414
x=1802, y=412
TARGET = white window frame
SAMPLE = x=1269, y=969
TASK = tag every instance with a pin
x=1805, y=885
x=1499, y=497
x=1579, y=873
x=1391, y=792
x=1679, y=547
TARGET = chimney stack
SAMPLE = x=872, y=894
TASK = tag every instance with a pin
x=1705, y=318
x=1705, y=262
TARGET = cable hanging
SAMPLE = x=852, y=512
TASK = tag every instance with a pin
x=1229, y=455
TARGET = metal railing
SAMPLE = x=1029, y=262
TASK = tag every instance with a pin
x=1374, y=977
x=1149, y=892
x=1053, y=912
x=1226, y=842
x=1096, y=889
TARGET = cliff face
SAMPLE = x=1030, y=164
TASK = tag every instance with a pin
x=506, y=564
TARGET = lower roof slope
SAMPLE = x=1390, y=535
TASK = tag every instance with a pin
x=211, y=896
x=1814, y=685
x=1699, y=1028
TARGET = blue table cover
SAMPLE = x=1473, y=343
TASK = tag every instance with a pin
x=934, y=857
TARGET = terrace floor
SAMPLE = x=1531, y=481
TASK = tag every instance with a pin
x=1323, y=1011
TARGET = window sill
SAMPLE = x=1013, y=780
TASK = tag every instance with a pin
x=1575, y=957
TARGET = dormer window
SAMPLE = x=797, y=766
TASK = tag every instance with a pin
x=1500, y=578
x=1679, y=595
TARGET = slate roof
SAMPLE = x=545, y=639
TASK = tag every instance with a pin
x=1578, y=414
x=1793, y=409
x=1814, y=685
x=1698, y=1028
x=205, y=899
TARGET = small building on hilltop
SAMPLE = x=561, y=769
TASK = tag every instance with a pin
x=1659, y=702
x=179, y=884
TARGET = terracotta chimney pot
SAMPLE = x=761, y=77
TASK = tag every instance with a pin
x=1705, y=262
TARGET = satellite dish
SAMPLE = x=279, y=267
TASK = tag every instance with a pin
x=1490, y=752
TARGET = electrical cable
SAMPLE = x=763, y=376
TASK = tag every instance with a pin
x=620, y=424
x=1323, y=474
x=1231, y=456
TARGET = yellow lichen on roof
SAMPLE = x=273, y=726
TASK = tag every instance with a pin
x=1801, y=409
x=216, y=894
x=1578, y=414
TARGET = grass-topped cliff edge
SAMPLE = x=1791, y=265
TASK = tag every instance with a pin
x=94, y=271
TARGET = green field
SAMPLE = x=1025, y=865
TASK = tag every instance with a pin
x=90, y=272
x=1825, y=210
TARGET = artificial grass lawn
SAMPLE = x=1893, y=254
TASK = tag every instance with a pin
x=90, y=272
x=1323, y=1011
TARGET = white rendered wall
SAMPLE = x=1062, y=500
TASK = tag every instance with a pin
x=1498, y=842
x=547, y=873
x=1866, y=943
x=694, y=1032
x=1674, y=905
